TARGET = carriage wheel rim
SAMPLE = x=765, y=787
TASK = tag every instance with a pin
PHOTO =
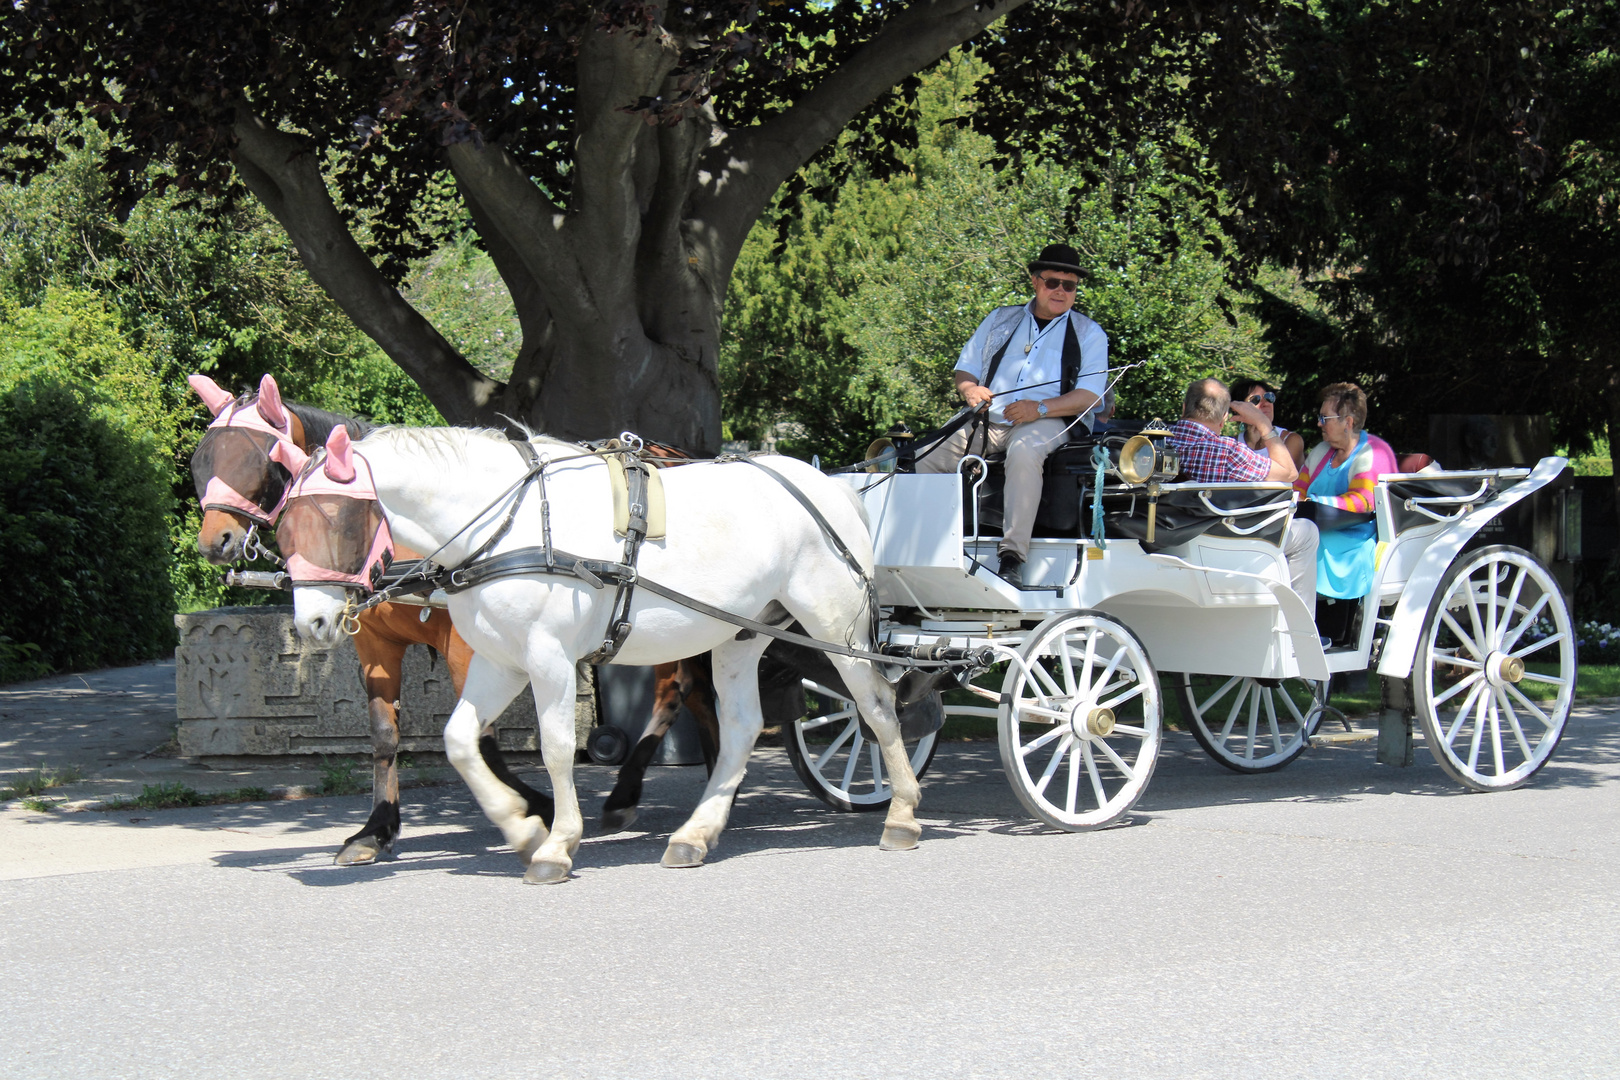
x=1471, y=669
x=1065, y=773
x=1253, y=725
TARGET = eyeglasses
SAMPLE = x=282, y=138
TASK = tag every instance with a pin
x=1053, y=284
x=1258, y=398
x=1325, y=419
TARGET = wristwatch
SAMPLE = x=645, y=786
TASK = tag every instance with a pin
x=1040, y=407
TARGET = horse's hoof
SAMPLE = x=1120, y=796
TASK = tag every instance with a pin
x=683, y=855
x=618, y=820
x=361, y=851
x=546, y=872
x=899, y=838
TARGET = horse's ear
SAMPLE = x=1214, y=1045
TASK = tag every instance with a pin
x=340, y=455
x=270, y=403
x=209, y=390
x=289, y=456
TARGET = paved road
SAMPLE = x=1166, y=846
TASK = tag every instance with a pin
x=1334, y=919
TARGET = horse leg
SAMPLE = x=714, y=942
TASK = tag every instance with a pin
x=619, y=811
x=551, y=673
x=489, y=690
x=457, y=655
x=874, y=697
x=736, y=678
x=697, y=691
x=381, y=661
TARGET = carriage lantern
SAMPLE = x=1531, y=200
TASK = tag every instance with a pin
x=1148, y=457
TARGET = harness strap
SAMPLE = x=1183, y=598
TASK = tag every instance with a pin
x=596, y=573
x=636, y=478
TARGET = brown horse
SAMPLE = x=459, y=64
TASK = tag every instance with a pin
x=240, y=486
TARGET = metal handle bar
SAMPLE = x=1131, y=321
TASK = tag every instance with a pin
x=1448, y=500
x=984, y=474
x=1275, y=509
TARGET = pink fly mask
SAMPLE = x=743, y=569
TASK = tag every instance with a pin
x=247, y=455
x=332, y=529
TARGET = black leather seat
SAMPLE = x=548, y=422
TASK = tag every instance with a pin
x=1183, y=515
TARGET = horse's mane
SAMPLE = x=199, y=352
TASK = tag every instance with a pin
x=318, y=423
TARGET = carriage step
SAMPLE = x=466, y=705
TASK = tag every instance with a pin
x=1334, y=737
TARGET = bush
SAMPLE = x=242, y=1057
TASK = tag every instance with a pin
x=83, y=531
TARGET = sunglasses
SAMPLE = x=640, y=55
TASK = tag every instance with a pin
x=1053, y=284
x=1324, y=419
x=1267, y=396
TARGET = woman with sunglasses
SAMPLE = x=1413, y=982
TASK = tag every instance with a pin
x=1339, y=476
x=1263, y=396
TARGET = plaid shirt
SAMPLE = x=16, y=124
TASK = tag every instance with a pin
x=1211, y=459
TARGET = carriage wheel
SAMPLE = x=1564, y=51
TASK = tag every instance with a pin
x=1080, y=721
x=1481, y=649
x=1251, y=725
x=839, y=763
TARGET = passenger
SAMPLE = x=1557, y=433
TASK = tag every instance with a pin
x=1101, y=418
x=1033, y=367
x=1209, y=457
x=1263, y=396
x=1341, y=472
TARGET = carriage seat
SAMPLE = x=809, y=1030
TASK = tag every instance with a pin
x=1062, y=488
x=1185, y=513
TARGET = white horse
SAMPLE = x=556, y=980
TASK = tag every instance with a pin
x=736, y=539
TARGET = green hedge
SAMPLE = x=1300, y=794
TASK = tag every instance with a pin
x=83, y=533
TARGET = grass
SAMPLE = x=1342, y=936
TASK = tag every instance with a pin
x=175, y=795
x=337, y=777
x=30, y=786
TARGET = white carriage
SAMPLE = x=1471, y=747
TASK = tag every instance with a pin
x=1475, y=639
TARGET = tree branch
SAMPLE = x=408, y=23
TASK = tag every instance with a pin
x=287, y=180
x=743, y=171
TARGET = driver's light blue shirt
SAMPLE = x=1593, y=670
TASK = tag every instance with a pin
x=1034, y=375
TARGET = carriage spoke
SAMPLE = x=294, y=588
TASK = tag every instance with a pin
x=1479, y=730
x=1542, y=644
x=1052, y=766
x=1528, y=704
x=1035, y=744
x=1473, y=616
x=1441, y=699
x=1271, y=722
x=1496, y=735
x=1490, y=609
x=1096, y=779
x=1057, y=716
x=1074, y=775
x=1049, y=686
x=1462, y=713
x=1232, y=715
x=849, y=767
x=837, y=744
x=878, y=783
x=1119, y=762
x=1525, y=623
x=1130, y=729
x=1462, y=635
x=1067, y=659
x=1254, y=723
x=1518, y=730
x=1550, y=680
x=1210, y=701
x=1512, y=605
x=1128, y=695
x=830, y=718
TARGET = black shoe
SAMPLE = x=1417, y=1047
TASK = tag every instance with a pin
x=1012, y=569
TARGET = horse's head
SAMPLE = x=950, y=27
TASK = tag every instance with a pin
x=334, y=536
x=241, y=477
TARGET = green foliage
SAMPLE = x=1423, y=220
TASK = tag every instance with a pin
x=83, y=520
x=856, y=321
x=38, y=781
x=337, y=777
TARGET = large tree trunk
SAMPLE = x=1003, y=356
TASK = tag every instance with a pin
x=620, y=293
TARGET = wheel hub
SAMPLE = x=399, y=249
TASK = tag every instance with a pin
x=1502, y=669
x=1091, y=721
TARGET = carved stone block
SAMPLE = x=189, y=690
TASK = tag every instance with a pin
x=246, y=685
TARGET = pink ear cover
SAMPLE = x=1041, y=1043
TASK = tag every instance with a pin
x=207, y=389
x=289, y=456
x=340, y=455
x=270, y=403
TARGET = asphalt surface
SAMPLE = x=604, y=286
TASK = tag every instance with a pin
x=1337, y=918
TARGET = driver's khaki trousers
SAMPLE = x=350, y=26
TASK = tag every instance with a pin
x=1027, y=446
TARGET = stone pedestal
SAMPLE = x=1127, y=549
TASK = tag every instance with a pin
x=245, y=685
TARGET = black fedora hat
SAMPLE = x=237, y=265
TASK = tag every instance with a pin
x=1058, y=257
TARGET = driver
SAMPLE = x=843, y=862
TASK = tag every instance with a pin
x=1031, y=367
